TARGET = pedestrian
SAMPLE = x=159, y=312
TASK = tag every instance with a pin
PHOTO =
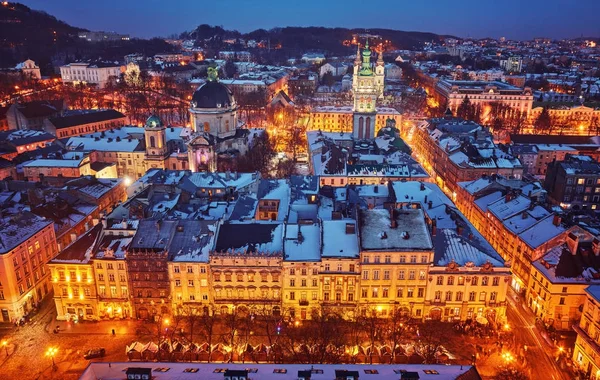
x=113, y=332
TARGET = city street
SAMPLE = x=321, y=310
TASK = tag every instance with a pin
x=27, y=346
x=540, y=355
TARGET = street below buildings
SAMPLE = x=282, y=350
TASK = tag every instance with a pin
x=538, y=353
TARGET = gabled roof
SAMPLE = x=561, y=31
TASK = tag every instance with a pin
x=85, y=118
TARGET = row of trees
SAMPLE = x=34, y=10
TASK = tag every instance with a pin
x=502, y=118
x=326, y=338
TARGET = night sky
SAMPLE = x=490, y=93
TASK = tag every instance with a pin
x=516, y=19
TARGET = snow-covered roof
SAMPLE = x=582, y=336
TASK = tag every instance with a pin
x=337, y=242
x=50, y=163
x=410, y=233
x=507, y=207
x=103, y=145
x=210, y=371
x=279, y=190
x=372, y=191
x=112, y=247
x=594, y=292
x=192, y=241
x=256, y=238
x=455, y=238
x=541, y=232
x=302, y=242
x=16, y=226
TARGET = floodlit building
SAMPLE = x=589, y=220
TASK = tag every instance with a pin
x=484, y=94
x=27, y=243
x=73, y=279
x=587, y=344
x=98, y=73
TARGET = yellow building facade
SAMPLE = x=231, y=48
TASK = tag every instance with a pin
x=29, y=242
x=586, y=354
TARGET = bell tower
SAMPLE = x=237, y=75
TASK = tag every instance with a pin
x=380, y=74
x=154, y=134
x=365, y=92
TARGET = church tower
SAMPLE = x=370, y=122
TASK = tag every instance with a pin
x=366, y=92
x=154, y=134
x=380, y=74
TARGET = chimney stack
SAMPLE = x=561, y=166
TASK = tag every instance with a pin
x=596, y=247
x=433, y=226
x=556, y=221
x=393, y=222
x=350, y=228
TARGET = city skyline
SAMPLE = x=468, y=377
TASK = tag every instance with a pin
x=552, y=19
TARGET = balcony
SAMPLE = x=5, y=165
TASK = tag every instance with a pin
x=303, y=302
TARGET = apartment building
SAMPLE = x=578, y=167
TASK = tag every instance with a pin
x=558, y=280
x=110, y=270
x=246, y=267
x=189, y=270
x=454, y=150
x=98, y=73
x=396, y=253
x=28, y=242
x=587, y=345
x=73, y=279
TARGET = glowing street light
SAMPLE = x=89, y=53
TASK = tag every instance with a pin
x=507, y=356
x=5, y=345
x=127, y=181
x=51, y=352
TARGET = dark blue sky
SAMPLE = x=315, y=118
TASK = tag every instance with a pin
x=520, y=19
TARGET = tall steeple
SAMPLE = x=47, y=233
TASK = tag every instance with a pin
x=380, y=58
x=366, y=60
x=357, y=59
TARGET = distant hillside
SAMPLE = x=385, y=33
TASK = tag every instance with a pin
x=296, y=40
x=25, y=32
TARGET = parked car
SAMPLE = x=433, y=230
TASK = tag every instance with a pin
x=94, y=353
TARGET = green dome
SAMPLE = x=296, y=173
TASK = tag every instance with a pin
x=154, y=122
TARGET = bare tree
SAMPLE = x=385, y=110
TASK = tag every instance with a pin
x=397, y=329
x=207, y=323
x=431, y=337
x=371, y=323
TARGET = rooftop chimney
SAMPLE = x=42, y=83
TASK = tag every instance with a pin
x=393, y=221
x=459, y=229
x=350, y=228
x=422, y=186
x=556, y=221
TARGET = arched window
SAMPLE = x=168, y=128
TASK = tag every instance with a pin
x=206, y=126
x=152, y=142
x=226, y=125
x=361, y=122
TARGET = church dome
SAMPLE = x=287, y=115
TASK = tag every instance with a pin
x=154, y=122
x=212, y=94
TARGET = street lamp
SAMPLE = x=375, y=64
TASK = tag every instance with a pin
x=5, y=345
x=51, y=352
